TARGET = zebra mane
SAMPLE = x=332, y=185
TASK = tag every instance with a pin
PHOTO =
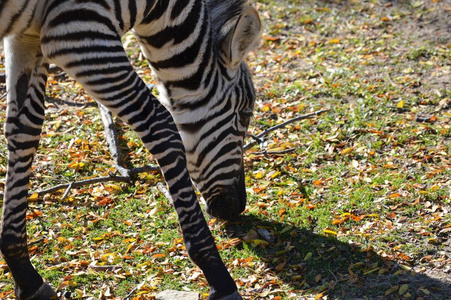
x=223, y=13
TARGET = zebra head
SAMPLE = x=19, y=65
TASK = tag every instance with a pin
x=212, y=101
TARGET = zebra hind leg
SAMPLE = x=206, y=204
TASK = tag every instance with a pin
x=27, y=75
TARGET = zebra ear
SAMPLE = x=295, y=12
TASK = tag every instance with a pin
x=242, y=37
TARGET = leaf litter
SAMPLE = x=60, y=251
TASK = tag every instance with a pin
x=360, y=208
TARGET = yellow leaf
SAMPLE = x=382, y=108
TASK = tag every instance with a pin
x=403, y=289
x=334, y=41
x=330, y=231
x=400, y=104
x=391, y=290
x=308, y=256
x=373, y=215
x=33, y=197
x=259, y=242
x=346, y=151
x=277, y=173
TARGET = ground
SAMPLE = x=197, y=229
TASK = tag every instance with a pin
x=353, y=203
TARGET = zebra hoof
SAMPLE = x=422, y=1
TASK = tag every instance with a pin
x=45, y=292
x=234, y=296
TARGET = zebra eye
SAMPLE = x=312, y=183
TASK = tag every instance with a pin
x=245, y=116
x=247, y=112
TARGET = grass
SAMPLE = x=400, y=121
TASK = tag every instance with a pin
x=359, y=209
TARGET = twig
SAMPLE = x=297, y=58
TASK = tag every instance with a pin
x=105, y=268
x=112, y=140
x=134, y=290
x=267, y=131
x=76, y=184
x=266, y=153
x=145, y=169
x=80, y=183
x=164, y=191
x=67, y=191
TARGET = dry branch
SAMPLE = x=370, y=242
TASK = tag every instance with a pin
x=113, y=144
x=112, y=140
x=258, y=138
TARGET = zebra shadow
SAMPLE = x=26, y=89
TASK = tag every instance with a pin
x=311, y=262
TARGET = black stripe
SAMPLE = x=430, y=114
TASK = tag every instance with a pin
x=89, y=49
x=193, y=82
x=185, y=57
x=81, y=15
x=158, y=11
x=212, y=132
x=2, y=5
x=22, y=206
x=52, y=6
x=80, y=36
x=107, y=80
x=97, y=61
x=177, y=33
x=206, y=99
x=103, y=71
x=118, y=12
x=178, y=8
x=132, y=11
x=110, y=87
x=149, y=6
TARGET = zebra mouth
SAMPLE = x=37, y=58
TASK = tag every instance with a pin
x=229, y=202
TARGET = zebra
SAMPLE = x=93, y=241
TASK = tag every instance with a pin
x=197, y=50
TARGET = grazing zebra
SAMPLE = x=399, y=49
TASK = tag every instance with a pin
x=196, y=49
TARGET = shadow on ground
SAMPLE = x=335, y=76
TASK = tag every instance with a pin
x=321, y=264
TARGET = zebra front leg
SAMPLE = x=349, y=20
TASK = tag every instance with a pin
x=156, y=128
x=170, y=153
x=107, y=75
x=26, y=79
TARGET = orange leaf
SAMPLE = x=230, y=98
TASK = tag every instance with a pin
x=271, y=38
x=310, y=206
x=158, y=255
x=395, y=195
x=338, y=221
x=356, y=218
x=317, y=182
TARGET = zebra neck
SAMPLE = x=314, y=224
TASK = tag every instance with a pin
x=176, y=39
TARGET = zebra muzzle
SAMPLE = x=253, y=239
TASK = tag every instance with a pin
x=229, y=202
